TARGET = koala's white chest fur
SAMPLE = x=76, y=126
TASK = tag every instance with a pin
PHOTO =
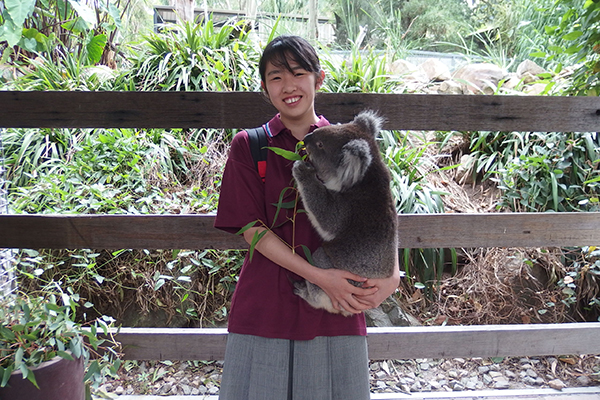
x=345, y=191
x=326, y=235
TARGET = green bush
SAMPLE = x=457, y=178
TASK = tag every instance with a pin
x=197, y=57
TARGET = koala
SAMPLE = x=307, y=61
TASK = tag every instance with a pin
x=345, y=188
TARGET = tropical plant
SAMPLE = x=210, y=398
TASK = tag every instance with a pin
x=576, y=41
x=551, y=172
x=112, y=171
x=187, y=287
x=37, y=329
x=409, y=167
x=39, y=27
x=363, y=72
x=197, y=57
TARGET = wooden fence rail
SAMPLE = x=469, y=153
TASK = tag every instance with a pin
x=242, y=110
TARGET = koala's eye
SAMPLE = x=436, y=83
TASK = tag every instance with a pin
x=319, y=144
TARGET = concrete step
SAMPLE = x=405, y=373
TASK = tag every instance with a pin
x=584, y=393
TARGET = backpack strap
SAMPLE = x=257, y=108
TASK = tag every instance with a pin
x=258, y=148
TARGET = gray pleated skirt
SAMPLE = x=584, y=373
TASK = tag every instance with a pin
x=325, y=368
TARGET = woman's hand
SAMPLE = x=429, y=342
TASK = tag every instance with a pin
x=385, y=286
x=342, y=293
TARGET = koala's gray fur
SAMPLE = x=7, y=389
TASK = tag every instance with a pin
x=345, y=188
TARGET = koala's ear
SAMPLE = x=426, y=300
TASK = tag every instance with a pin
x=369, y=121
x=355, y=162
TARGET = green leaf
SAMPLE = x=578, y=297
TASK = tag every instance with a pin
x=10, y=32
x=65, y=355
x=255, y=239
x=572, y=35
x=289, y=205
x=19, y=10
x=95, y=48
x=6, y=372
x=85, y=12
x=308, y=254
x=246, y=227
x=539, y=54
x=288, y=155
x=19, y=356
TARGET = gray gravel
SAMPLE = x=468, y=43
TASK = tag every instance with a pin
x=391, y=376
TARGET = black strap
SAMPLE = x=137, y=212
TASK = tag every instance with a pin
x=258, y=144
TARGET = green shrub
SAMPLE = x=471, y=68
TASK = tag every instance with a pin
x=197, y=57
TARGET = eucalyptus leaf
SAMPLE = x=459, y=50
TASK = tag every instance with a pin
x=288, y=155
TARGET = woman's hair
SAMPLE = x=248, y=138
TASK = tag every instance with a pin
x=285, y=47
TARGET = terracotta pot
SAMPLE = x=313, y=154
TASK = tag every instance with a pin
x=58, y=379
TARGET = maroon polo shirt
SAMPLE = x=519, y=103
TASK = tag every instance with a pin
x=263, y=303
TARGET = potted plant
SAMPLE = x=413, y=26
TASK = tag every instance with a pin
x=44, y=351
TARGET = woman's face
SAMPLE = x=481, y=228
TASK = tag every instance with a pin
x=292, y=92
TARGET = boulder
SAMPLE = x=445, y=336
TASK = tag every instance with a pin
x=436, y=70
x=481, y=78
x=388, y=314
x=450, y=87
x=408, y=71
x=528, y=71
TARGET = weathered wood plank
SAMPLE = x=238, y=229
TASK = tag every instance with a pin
x=386, y=343
x=197, y=232
x=248, y=109
x=114, y=232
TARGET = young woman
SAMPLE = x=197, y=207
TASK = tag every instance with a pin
x=278, y=346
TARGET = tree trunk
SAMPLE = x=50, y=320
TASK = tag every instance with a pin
x=184, y=9
x=313, y=22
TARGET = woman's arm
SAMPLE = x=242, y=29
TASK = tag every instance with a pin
x=333, y=281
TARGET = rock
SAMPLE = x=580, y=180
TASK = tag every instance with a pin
x=435, y=70
x=557, y=384
x=450, y=87
x=376, y=317
x=495, y=375
x=402, y=67
x=408, y=72
x=511, y=81
x=464, y=172
x=528, y=71
x=531, y=373
x=479, y=78
x=502, y=384
x=583, y=380
x=535, y=89
x=390, y=313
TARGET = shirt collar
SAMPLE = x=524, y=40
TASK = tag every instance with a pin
x=275, y=126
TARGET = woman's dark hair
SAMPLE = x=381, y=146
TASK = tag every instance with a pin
x=283, y=47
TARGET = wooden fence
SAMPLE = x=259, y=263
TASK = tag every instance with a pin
x=242, y=110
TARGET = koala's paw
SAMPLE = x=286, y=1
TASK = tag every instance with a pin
x=316, y=297
x=302, y=169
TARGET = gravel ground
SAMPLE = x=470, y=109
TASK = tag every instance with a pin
x=391, y=376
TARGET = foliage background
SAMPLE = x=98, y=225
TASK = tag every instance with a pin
x=71, y=45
